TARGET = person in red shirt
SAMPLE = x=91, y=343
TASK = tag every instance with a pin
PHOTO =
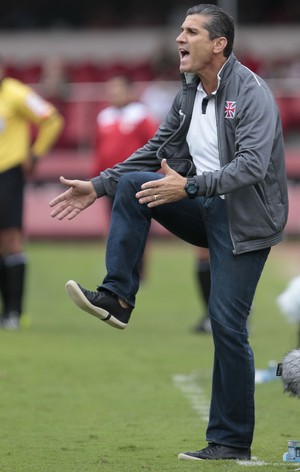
x=121, y=127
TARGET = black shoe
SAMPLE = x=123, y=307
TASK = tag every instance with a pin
x=217, y=452
x=102, y=304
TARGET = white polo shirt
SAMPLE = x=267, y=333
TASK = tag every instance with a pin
x=202, y=137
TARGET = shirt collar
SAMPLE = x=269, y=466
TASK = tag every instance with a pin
x=200, y=88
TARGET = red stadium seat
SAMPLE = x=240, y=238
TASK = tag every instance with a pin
x=31, y=73
x=73, y=134
x=294, y=110
x=83, y=72
x=284, y=109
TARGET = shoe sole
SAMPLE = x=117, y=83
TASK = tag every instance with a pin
x=186, y=457
x=82, y=302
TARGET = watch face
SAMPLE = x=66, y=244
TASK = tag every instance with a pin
x=192, y=189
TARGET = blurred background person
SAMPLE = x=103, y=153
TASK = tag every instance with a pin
x=54, y=81
x=123, y=126
x=20, y=109
x=202, y=275
x=159, y=93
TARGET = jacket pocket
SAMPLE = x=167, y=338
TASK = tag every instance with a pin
x=184, y=166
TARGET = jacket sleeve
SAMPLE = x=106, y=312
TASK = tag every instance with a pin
x=45, y=117
x=48, y=133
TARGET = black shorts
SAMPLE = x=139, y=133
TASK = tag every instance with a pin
x=11, y=198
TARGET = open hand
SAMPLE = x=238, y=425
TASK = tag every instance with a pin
x=79, y=196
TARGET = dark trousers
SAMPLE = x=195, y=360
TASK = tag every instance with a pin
x=234, y=278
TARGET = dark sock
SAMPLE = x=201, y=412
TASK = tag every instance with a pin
x=203, y=282
x=15, y=265
x=3, y=286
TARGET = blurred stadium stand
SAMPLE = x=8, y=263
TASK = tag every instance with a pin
x=73, y=153
x=34, y=14
x=92, y=42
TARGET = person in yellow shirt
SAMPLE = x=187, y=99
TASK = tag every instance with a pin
x=20, y=109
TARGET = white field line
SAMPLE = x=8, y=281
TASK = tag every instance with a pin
x=189, y=386
x=256, y=463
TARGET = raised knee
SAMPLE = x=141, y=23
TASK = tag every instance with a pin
x=134, y=180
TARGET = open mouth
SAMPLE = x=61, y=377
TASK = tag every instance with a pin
x=183, y=53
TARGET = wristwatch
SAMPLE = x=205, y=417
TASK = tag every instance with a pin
x=191, y=187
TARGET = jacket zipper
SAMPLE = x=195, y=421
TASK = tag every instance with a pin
x=226, y=202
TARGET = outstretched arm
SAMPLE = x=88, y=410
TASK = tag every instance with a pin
x=79, y=196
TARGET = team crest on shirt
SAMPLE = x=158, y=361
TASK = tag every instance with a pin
x=230, y=108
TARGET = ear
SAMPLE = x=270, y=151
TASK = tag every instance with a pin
x=219, y=44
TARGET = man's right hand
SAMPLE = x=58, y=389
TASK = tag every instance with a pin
x=69, y=204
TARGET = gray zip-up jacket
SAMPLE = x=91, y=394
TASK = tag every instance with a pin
x=252, y=176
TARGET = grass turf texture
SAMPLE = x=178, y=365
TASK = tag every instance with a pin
x=77, y=395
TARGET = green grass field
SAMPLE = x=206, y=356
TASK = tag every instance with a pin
x=77, y=395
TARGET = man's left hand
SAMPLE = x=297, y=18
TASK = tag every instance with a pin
x=166, y=190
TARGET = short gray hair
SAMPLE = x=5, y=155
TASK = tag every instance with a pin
x=219, y=23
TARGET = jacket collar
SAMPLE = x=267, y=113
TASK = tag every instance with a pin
x=189, y=77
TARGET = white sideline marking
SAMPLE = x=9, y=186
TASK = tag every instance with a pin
x=189, y=386
x=255, y=462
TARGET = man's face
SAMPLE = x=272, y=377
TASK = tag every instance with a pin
x=194, y=46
